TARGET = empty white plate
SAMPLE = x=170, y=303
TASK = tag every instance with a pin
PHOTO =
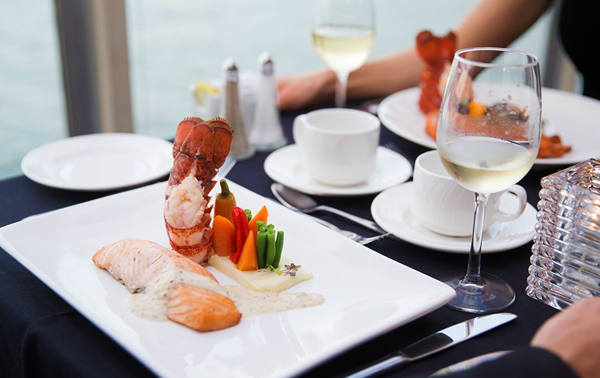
x=99, y=161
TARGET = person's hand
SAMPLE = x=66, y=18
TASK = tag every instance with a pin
x=574, y=336
x=297, y=92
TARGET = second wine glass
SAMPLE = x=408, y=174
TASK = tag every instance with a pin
x=488, y=137
x=343, y=35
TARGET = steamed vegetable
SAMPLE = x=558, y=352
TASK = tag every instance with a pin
x=240, y=222
x=270, y=248
x=278, y=248
x=224, y=201
x=261, y=244
x=247, y=259
x=262, y=216
x=223, y=238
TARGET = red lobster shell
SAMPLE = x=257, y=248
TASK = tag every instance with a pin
x=200, y=149
x=436, y=53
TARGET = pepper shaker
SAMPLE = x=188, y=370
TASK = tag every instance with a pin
x=241, y=149
x=267, y=133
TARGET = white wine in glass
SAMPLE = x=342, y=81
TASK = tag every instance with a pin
x=488, y=137
x=343, y=36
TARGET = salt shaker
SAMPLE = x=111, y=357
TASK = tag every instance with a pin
x=241, y=149
x=267, y=133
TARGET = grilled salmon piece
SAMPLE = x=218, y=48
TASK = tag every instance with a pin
x=201, y=310
x=144, y=266
x=138, y=263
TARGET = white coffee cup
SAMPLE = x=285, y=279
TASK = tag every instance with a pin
x=337, y=146
x=445, y=207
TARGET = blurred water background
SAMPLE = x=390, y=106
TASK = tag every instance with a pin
x=173, y=44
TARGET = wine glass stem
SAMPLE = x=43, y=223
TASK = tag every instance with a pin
x=341, y=86
x=474, y=268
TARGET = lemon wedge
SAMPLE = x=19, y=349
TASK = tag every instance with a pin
x=202, y=91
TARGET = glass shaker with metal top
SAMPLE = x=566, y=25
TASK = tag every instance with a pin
x=267, y=133
x=241, y=149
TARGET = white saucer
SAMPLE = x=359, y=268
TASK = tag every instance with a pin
x=99, y=161
x=392, y=211
x=284, y=166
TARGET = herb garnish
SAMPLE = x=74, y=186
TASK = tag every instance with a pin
x=289, y=269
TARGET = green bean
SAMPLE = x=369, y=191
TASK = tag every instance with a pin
x=260, y=225
x=278, y=248
x=261, y=246
x=270, y=253
x=248, y=214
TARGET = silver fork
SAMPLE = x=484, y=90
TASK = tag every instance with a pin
x=349, y=234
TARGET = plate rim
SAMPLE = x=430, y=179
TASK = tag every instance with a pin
x=70, y=141
x=555, y=94
x=335, y=191
x=408, y=186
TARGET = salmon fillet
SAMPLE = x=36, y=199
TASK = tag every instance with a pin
x=138, y=263
x=143, y=266
x=202, y=310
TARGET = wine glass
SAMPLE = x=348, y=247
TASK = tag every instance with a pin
x=343, y=35
x=488, y=137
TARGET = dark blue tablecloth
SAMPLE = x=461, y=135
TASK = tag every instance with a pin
x=41, y=335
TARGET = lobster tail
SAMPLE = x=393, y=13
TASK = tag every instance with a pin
x=200, y=149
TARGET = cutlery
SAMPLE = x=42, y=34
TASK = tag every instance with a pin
x=349, y=234
x=436, y=343
x=297, y=201
x=225, y=168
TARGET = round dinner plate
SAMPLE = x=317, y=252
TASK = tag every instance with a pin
x=284, y=166
x=99, y=162
x=571, y=116
x=392, y=211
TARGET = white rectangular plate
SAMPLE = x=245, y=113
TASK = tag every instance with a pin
x=366, y=294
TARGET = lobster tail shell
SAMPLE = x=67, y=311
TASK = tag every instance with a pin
x=200, y=149
x=223, y=135
x=192, y=242
x=183, y=129
x=436, y=53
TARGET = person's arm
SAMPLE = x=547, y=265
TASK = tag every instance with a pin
x=498, y=23
x=489, y=23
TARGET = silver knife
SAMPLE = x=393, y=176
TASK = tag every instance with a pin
x=436, y=343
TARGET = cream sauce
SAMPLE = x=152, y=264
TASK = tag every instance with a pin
x=152, y=303
x=251, y=302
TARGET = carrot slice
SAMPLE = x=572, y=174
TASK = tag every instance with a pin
x=223, y=238
x=262, y=215
x=248, y=260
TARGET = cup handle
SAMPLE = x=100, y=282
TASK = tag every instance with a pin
x=297, y=129
x=520, y=192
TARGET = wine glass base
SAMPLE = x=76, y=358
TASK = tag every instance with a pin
x=490, y=294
